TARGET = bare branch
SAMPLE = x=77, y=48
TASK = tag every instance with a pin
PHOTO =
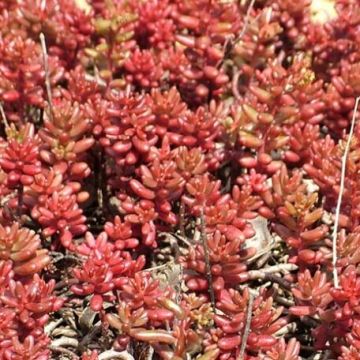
x=47, y=75
x=50, y=327
x=3, y=116
x=284, y=301
x=62, y=350
x=65, y=342
x=88, y=337
x=279, y=268
x=231, y=41
x=278, y=280
x=341, y=191
x=289, y=328
x=60, y=256
x=159, y=267
x=182, y=219
x=150, y=353
x=246, y=21
x=235, y=84
x=207, y=259
x=176, y=237
x=247, y=326
x=260, y=262
x=112, y=354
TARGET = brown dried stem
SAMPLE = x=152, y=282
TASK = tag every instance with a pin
x=88, y=337
x=247, y=326
x=207, y=260
x=62, y=350
x=112, y=354
x=263, y=273
x=182, y=219
x=47, y=75
x=3, y=116
x=246, y=21
x=341, y=191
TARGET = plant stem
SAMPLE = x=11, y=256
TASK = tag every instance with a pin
x=47, y=75
x=341, y=191
x=247, y=326
x=207, y=260
x=182, y=219
x=3, y=116
x=62, y=350
x=246, y=20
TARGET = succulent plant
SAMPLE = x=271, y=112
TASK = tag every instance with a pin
x=169, y=171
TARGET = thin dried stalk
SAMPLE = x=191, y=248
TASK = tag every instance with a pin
x=235, y=84
x=247, y=326
x=341, y=191
x=50, y=327
x=57, y=256
x=231, y=42
x=279, y=268
x=65, y=342
x=278, y=280
x=287, y=329
x=3, y=116
x=182, y=219
x=284, y=301
x=207, y=260
x=101, y=83
x=62, y=350
x=262, y=260
x=88, y=337
x=159, y=267
x=150, y=353
x=112, y=354
x=246, y=21
x=46, y=68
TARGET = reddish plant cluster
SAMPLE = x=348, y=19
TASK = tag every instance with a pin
x=25, y=299
x=169, y=171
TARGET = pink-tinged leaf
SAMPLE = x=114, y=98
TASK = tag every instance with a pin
x=36, y=265
x=158, y=336
x=140, y=190
x=83, y=145
x=96, y=302
x=229, y=342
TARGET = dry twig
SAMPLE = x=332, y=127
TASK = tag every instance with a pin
x=278, y=280
x=341, y=191
x=247, y=326
x=47, y=75
x=182, y=219
x=279, y=268
x=65, y=342
x=62, y=350
x=159, y=267
x=246, y=21
x=231, y=42
x=3, y=116
x=49, y=328
x=112, y=354
x=57, y=256
x=235, y=84
x=207, y=260
x=88, y=337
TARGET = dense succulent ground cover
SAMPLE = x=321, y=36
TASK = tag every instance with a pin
x=169, y=177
